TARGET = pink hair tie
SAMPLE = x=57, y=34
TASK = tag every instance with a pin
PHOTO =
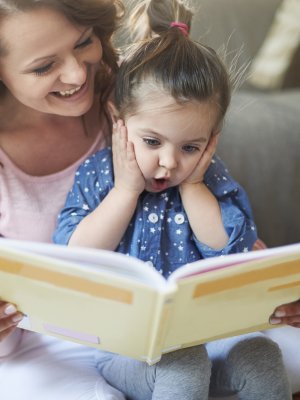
x=182, y=26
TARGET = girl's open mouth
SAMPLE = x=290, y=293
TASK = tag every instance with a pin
x=160, y=184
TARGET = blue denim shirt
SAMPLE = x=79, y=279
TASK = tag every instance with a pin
x=159, y=231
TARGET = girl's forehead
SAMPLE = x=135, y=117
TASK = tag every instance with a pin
x=163, y=103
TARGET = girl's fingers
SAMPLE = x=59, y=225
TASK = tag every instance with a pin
x=212, y=145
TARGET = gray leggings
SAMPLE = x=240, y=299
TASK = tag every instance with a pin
x=249, y=365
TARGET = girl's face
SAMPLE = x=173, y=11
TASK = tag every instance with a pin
x=169, y=139
x=50, y=64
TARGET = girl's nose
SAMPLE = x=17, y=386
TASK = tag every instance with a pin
x=168, y=160
x=73, y=72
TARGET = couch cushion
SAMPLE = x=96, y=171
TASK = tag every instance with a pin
x=260, y=145
x=236, y=27
x=279, y=48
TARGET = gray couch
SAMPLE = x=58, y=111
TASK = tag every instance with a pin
x=260, y=141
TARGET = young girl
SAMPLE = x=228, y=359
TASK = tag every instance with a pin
x=161, y=196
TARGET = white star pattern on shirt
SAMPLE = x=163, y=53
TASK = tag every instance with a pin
x=178, y=231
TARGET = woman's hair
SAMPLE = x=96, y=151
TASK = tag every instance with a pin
x=102, y=15
x=168, y=59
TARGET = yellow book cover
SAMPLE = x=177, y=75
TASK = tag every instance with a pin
x=121, y=304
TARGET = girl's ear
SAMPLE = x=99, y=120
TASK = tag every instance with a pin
x=114, y=113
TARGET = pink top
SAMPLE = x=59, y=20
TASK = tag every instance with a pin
x=29, y=205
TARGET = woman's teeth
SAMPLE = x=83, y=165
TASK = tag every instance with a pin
x=68, y=93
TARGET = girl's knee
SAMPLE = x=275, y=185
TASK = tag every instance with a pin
x=192, y=361
x=256, y=353
x=190, y=356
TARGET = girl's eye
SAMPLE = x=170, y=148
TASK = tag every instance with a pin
x=85, y=43
x=151, y=141
x=43, y=70
x=189, y=148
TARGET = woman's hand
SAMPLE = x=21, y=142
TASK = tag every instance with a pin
x=127, y=173
x=197, y=175
x=9, y=319
x=288, y=314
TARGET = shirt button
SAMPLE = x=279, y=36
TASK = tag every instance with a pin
x=153, y=218
x=179, y=219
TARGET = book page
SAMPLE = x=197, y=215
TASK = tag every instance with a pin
x=83, y=261
x=115, y=308
x=233, y=300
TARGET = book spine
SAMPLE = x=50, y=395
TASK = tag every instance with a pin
x=160, y=326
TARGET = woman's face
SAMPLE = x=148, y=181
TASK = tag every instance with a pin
x=50, y=64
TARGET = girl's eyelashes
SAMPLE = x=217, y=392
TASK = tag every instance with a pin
x=190, y=148
x=187, y=148
x=43, y=70
x=151, y=141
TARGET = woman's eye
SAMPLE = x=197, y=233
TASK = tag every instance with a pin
x=188, y=148
x=151, y=142
x=85, y=43
x=43, y=70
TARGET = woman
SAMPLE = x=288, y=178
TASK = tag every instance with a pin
x=57, y=70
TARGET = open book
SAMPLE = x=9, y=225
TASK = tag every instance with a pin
x=121, y=304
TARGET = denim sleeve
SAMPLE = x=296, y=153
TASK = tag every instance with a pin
x=235, y=209
x=93, y=180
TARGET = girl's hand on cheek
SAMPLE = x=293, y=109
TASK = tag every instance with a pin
x=197, y=175
x=128, y=175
